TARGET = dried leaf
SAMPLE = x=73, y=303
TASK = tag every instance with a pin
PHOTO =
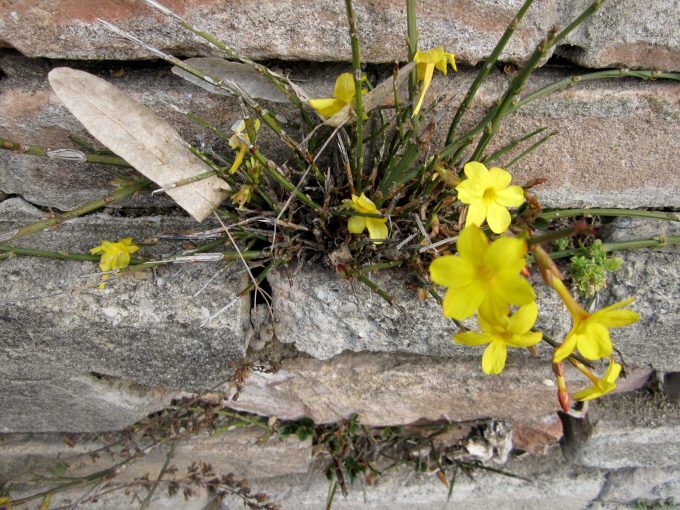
x=373, y=99
x=135, y=133
x=247, y=78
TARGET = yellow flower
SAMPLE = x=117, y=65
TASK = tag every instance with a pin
x=489, y=194
x=482, y=276
x=501, y=332
x=114, y=255
x=357, y=224
x=426, y=62
x=590, y=331
x=343, y=93
x=242, y=196
x=601, y=386
x=241, y=141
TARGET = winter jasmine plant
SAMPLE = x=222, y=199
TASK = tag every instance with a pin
x=364, y=186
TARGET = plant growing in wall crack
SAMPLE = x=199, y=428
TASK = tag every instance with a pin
x=366, y=187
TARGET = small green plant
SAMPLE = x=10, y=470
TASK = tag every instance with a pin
x=588, y=271
x=659, y=504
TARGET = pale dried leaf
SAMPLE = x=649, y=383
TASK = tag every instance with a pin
x=135, y=133
x=373, y=99
x=247, y=78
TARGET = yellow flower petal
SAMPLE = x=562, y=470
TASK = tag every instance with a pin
x=327, y=107
x=616, y=318
x=507, y=254
x=525, y=339
x=451, y=271
x=493, y=359
x=427, y=78
x=497, y=217
x=472, y=243
x=494, y=305
x=594, y=341
x=377, y=229
x=612, y=373
x=476, y=171
x=472, y=338
x=238, y=159
x=462, y=303
x=514, y=289
x=567, y=347
x=364, y=204
x=356, y=224
x=512, y=196
x=344, y=87
x=476, y=214
x=452, y=60
x=587, y=394
x=499, y=178
x=523, y=319
x=470, y=191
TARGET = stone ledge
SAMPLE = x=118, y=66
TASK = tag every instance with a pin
x=612, y=148
x=625, y=34
x=57, y=328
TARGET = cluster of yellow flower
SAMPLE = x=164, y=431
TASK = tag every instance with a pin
x=485, y=278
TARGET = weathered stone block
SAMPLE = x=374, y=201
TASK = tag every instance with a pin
x=628, y=485
x=58, y=329
x=632, y=430
x=611, y=150
x=324, y=314
x=241, y=451
x=624, y=33
x=389, y=389
x=554, y=484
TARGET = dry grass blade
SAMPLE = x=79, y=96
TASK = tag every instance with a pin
x=135, y=133
x=247, y=78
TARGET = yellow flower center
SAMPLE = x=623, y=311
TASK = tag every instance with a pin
x=489, y=195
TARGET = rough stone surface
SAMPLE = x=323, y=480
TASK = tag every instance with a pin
x=628, y=485
x=388, y=389
x=554, y=484
x=624, y=33
x=58, y=331
x=618, y=115
x=324, y=314
x=632, y=430
x=611, y=151
x=241, y=451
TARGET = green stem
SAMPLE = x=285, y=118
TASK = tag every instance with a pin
x=531, y=149
x=633, y=213
x=375, y=288
x=35, y=150
x=551, y=236
x=117, y=196
x=518, y=83
x=358, y=108
x=575, y=80
x=225, y=138
x=381, y=266
x=280, y=83
x=654, y=242
x=412, y=34
x=510, y=146
x=486, y=68
x=271, y=169
x=61, y=255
